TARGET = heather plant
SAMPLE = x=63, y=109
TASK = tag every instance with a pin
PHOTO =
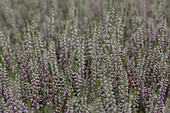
x=77, y=56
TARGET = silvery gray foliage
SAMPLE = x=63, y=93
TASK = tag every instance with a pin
x=52, y=61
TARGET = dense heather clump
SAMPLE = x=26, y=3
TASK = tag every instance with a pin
x=84, y=56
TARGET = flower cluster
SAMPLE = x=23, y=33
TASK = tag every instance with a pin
x=61, y=63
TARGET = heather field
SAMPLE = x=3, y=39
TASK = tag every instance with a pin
x=84, y=56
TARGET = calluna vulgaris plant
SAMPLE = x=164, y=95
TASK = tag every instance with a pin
x=84, y=56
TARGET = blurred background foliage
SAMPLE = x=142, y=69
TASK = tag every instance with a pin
x=15, y=12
